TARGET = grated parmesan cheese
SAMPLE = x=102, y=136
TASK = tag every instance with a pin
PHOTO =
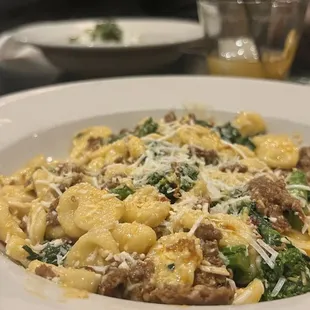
x=56, y=242
x=298, y=186
x=234, y=148
x=270, y=261
x=278, y=287
x=99, y=269
x=305, y=228
x=268, y=248
x=303, y=278
x=95, y=182
x=39, y=247
x=223, y=207
x=195, y=226
x=55, y=188
x=232, y=284
x=124, y=265
x=215, y=270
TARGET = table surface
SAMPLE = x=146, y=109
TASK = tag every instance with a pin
x=189, y=63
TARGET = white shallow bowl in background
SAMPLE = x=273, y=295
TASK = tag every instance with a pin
x=147, y=44
x=44, y=121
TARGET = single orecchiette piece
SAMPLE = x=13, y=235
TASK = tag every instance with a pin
x=146, y=206
x=134, y=237
x=14, y=249
x=83, y=207
x=81, y=141
x=197, y=135
x=250, y=294
x=249, y=124
x=182, y=252
x=186, y=219
x=112, y=152
x=92, y=249
x=8, y=224
x=36, y=224
x=234, y=229
x=68, y=204
x=277, y=151
x=69, y=277
x=97, y=208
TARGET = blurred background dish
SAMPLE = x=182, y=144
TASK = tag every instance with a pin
x=143, y=44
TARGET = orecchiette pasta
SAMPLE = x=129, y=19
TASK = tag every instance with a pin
x=198, y=136
x=69, y=277
x=8, y=224
x=92, y=249
x=226, y=151
x=249, y=124
x=146, y=206
x=250, y=294
x=112, y=152
x=235, y=231
x=183, y=251
x=134, y=237
x=135, y=147
x=82, y=207
x=277, y=151
x=97, y=208
x=116, y=170
x=186, y=219
x=81, y=141
x=17, y=198
x=67, y=206
x=299, y=240
x=36, y=224
x=179, y=211
x=200, y=189
x=14, y=248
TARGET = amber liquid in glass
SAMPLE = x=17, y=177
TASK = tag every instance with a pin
x=244, y=61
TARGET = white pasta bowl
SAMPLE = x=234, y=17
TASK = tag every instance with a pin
x=148, y=44
x=43, y=121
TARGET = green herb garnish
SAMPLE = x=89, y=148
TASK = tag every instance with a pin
x=107, y=31
x=148, y=127
x=232, y=135
x=122, y=191
x=50, y=254
x=171, y=266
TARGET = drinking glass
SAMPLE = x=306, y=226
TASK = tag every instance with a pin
x=251, y=38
